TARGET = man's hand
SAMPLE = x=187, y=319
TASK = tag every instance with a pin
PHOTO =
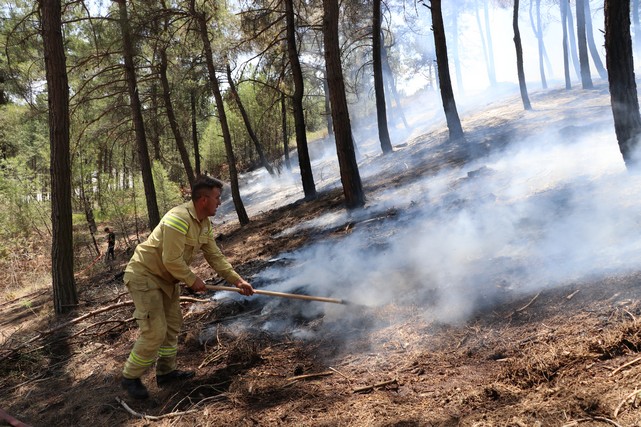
x=245, y=288
x=199, y=285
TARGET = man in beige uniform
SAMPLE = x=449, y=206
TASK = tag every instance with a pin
x=152, y=277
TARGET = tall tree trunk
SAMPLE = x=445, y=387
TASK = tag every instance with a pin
x=563, y=5
x=328, y=108
x=304, y=162
x=136, y=112
x=445, y=83
x=455, y=51
x=388, y=75
x=519, y=57
x=490, y=45
x=623, y=87
x=194, y=131
x=573, y=52
x=350, y=177
x=381, y=114
x=87, y=205
x=248, y=126
x=283, y=115
x=4, y=99
x=538, y=32
x=594, y=52
x=222, y=116
x=154, y=133
x=65, y=296
x=584, y=60
x=477, y=15
x=171, y=116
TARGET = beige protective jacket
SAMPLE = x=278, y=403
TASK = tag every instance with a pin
x=166, y=255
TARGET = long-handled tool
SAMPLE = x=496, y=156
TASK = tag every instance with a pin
x=280, y=294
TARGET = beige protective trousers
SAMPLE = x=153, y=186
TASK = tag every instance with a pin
x=159, y=319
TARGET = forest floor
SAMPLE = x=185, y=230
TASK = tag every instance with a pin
x=562, y=356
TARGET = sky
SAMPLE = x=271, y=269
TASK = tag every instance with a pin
x=471, y=47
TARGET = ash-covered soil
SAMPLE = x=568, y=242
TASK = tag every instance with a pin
x=560, y=355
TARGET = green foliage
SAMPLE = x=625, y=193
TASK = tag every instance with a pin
x=212, y=148
x=167, y=192
x=25, y=207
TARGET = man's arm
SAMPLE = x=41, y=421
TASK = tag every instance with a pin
x=219, y=263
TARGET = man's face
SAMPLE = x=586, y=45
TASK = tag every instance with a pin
x=211, y=201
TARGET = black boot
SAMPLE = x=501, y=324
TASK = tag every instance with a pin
x=174, y=376
x=135, y=388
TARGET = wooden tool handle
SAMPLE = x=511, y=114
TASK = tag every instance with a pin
x=278, y=294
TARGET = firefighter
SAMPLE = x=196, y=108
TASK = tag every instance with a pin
x=152, y=276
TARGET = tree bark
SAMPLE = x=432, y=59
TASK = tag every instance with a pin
x=538, y=31
x=490, y=45
x=477, y=15
x=445, y=82
x=573, y=52
x=222, y=116
x=194, y=132
x=4, y=99
x=594, y=52
x=584, y=60
x=623, y=87
x=248, y=126
x=563, y=5
x=381, y=114
x=304, y=162
x=171, y=116
x=154, y=133
x=519, y=57
x=350, y=176
x=283, y=115
x=136, y=112
x=391, y=82
x=328, y=108
x=455, y=52
x=65, y=296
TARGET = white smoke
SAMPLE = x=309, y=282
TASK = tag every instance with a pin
x=540, y=214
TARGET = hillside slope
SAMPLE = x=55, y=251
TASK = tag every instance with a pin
x=480, y=297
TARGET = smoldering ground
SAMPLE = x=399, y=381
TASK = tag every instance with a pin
x=548, y=209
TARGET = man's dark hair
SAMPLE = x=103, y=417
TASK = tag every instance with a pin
x=106, y=229
x=202, y=183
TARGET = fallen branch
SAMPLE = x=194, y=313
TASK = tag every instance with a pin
x=583, y=420
x=634, y=319
x=302, y=377
x=64, y=325
x=11, y=420
x=633, y=394
x=625, y=365
x=26, y=296
x=341, y=374
x=370, y=387
x=153, y=417
x=213, y=357
x=572, y=294
x=79, y=319
x=529, y=303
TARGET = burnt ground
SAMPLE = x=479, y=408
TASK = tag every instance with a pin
x=561, y=356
